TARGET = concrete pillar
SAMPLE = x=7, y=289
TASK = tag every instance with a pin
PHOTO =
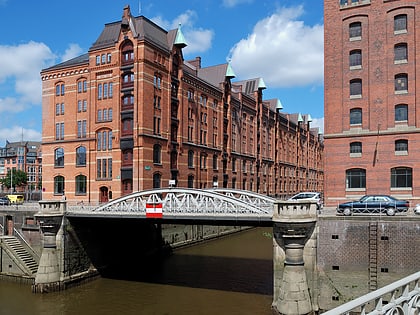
x=47, y=278
x=293, y=226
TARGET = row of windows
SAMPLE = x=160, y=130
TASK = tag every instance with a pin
x=401, y=177
x=80, y=181
x=400, y=85
x=80, y=157
x=400, y=26
x=400, y=114
x=400, y=56
x=400, y=145
x=104, y=115
x=102, y=59
x=81, y=107
x=105, y=90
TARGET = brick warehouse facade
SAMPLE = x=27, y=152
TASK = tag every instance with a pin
x=131, y=114
x=372, y=122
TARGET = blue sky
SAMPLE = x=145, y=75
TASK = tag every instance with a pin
x=280, y=41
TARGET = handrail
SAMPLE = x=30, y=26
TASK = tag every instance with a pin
x=402, y=300
x=16, y=233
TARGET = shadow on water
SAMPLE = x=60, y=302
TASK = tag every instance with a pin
x=205, y=272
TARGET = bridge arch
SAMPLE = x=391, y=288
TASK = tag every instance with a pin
x=187, y=203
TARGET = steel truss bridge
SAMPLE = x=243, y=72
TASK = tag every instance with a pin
x=218, y=205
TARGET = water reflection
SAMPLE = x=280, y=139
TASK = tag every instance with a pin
x=228, y=276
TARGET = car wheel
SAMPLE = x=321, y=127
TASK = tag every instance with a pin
x=347, y=211
x=390, y=211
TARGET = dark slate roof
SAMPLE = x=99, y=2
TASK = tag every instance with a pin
x=82, y=59
x=214, y=74
x=141, y=27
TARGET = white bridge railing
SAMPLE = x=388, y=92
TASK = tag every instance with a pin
x=399, y=298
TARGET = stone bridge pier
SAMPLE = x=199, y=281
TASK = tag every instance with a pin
x=293, y=225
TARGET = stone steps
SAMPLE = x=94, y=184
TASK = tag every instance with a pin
x=20, y=253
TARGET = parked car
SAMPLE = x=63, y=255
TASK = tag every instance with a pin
x=417, y=209
x=374, y=204
x=4, y=201
x=309, y=195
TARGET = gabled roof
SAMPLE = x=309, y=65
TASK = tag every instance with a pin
x=214, y=74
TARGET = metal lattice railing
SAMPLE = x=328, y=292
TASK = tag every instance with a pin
x=399, y=298
x=186, y=202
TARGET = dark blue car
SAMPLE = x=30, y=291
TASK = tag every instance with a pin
x=374, y=204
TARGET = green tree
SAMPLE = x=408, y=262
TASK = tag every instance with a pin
x=20, y=178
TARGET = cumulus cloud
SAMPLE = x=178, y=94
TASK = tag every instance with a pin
x=318, y=122
x=17, y=133
x=71, y=52
x=282, y=50
x=22, y=64
x=198, y=39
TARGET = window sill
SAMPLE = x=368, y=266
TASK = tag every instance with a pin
x=358, y=96
x=359, y=67
x=399, y=153
x=401, y=188
x=355, y=189
x=401, y=92
x=399, y=62
x=400, y=32
x=355, y=155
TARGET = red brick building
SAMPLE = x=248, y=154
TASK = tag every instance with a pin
x=371, y=115
x=132, y=114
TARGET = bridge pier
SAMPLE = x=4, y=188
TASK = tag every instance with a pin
x=293, y=225
x=47, y=278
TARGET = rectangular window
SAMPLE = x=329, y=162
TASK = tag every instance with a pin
x=62, y=89
x=104, y=168
x=110, y=140
x=79, y=106
x=99, y=115
x=109, y=168
x=98, y=168
x=400, y=23
x=98, y=60
x=79, y=87
x=105, y=90
x=99, y=141
x=84, y=86
x=84, y=105
x=110, y=114
x=110, y=91
x=99, y=91
x=57, y=109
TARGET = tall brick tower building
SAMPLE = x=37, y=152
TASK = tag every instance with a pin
x=132, y=114
x=372, y=114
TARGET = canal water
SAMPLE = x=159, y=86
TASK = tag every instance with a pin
x=231, y=275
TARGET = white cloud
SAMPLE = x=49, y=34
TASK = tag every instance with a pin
x=73, y=51
x=282, y=50
x=233, y=3
x=198, y=39
x=22, y=64
x=17, y=133
x=318, y=122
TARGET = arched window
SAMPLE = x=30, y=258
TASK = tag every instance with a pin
x=400, y=53
x=355, y=58
x=355, y=116
x=401, y=177
x=127, y=52
x=80, y=185
x=156, y=180
x=355, y=30
x=401, y=82
x=356, y=88
x=356, y=178
x=157, y=154
x=190, y=159
x=400, y=23
x=59, y=185
x=401, y=112
x=401, y=145
x=59, y=157
x=81, y=156
x=356, y=147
